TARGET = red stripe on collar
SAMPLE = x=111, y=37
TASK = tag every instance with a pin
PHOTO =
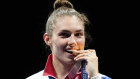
x=49, y=71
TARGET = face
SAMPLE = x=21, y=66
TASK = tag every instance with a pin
x=68, y=34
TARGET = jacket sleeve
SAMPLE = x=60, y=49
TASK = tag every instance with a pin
x=104, y=77
x=101, y=76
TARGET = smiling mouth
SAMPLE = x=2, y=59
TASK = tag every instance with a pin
x=73, y=52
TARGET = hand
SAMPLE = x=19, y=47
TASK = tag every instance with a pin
x=92, y=61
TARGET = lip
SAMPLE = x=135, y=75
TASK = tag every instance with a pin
x=68, y=51
x=72, y=52
x=72, y=49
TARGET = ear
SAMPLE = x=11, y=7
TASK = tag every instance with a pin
x=47, y=39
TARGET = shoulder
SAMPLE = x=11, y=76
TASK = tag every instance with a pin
x=38, y=75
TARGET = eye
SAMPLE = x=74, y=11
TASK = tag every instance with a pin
x=64, y=35
x=79, y=34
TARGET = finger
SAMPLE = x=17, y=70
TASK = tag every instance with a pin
x=92, y=52
x=80, y=55
x=81, y=58
x=75, y=52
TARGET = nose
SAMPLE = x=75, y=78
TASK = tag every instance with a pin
x=72, y=41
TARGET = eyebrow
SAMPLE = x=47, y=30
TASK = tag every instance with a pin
x=64, y=31
x=80, y=30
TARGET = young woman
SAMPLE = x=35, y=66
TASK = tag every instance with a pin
x=65, y=35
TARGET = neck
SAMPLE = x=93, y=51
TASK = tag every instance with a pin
x=74, y=70
x=61, y=69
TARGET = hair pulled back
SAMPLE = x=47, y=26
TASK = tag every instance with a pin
x=62, y=3
x=62, y=8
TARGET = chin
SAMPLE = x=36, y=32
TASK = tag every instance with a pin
x=69, y=61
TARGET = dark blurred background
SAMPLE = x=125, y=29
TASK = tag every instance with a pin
x=114, y=27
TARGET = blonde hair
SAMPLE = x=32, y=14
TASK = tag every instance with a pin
x=63, y=8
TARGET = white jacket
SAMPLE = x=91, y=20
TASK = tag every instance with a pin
x=39, y=75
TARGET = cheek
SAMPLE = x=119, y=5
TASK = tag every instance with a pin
x=60, y=43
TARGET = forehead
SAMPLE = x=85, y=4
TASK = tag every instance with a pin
x=71, y=23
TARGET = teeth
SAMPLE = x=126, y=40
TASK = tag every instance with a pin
x=73, y=52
